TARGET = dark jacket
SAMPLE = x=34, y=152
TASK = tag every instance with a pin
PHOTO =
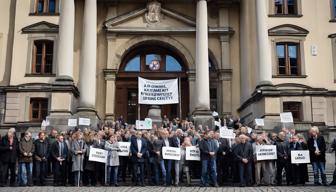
x=283, y=152
x=245, y=151
x=134, y=150
x=55, y=151
x=26, y=147
x=157, y=146
x=321, y=146
x=9, y=155
x=41, y=150
x=206, y=146
x=224, y=146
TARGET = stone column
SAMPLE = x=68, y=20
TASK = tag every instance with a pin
x=202, y=113
x=66, y=40
x=202, y=99
x=264, y=51
x=87, y=68
x=87, y=72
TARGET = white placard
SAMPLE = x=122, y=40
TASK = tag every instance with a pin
x=124, y=148
x=140, y=124
x=266, y=152
x=286, y=117
x=84, y=121
x=98, y=155
x=217, y=123
x=300, y=156
x=260, y=122
x=72, y=122
x=148, y=123
x=172, y=153
x=193, y=153
x=249, y=130
x=227, y=133
x=44, y=123
x=158, y=92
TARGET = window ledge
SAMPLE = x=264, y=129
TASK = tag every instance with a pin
x=40, y=75
x=44, y=14
x=285, y=15
x=332, y=20
x=290, y=76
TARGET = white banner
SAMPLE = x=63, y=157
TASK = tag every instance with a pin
x=158, y=92
x=300, y=156
x=172, y=153
x=84, y=121
x=124, y=148
x=98, y=155
x=193, y=153
x=260, y=122
x=226, y=133
x=286, y=117
x=72, y=122
x=266, y=152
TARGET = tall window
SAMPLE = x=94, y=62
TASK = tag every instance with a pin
x=43, y=52
x=288, y=58
x=45, y=6
x=286, y=7
x=38, y=109
x=295, y=108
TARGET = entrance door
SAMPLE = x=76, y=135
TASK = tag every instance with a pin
x=132, y=105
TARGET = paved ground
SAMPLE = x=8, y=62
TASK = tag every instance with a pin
x=166, y=189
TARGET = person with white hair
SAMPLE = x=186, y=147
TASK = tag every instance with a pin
x=245, y=157
x=27, y=149
x=317, y=149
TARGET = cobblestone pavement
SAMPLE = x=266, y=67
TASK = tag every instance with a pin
x=166, y=189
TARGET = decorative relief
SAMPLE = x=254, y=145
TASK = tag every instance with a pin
x=153, y=14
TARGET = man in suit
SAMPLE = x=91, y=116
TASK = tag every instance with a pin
x=138, y=150
x=166, y=164
x=283, y=158
x=245, y=157
x=99, y=143
x=59, y=152
x=223, y=158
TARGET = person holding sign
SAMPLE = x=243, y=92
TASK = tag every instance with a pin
x=296, y=171
x=166, y=164
x=317, y=149
x=183, y=162
x=245, y=157
x=112, y=146
x=209, y=149
x=78, y=149
x=138, y=150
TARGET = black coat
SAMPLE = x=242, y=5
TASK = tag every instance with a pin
x=55, y=151
x=283, y=151
x=134, y=150
x=9, y=155
x=245, y=151
x=204, y=147
x=41, y=150
x=322, y=147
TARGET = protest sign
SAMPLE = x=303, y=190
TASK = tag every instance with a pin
x=300, y=156
x=148, y=123
x=124, y=149
x=193, y=153
x=172, y=153
x=158, y=92
x=84, y=121
x=98, y=155
x=140, y=124
x=260, y=122
x=227, y=133
x=266, y=152
x=72, y=122
x=286, y=117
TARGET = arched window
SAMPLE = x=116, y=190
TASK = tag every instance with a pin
x=153, y=60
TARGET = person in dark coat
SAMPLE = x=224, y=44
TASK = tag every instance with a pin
x=245, y=157
x=165, y=164
x=99, y=143
x=333, y=149
x=156, y=157
x=317, y=149
x=138, y=150
x=223, y=159
x=283, y=158
x=59, y=152
x=41, y=158
x=27, y=149
x=89, y=174
x=208, y=148
x=9, y=149
x=296, y=170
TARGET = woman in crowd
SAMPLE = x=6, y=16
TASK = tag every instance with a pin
x=112, y=147
x=78, y=149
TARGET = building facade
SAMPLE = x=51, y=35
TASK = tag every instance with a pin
x=252, y=58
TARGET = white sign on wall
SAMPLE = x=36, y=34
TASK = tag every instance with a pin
x=124, y=148
x=158, y=92
x=266, y=152
x=172, y=153
x=300, y=156
x=193, y=153
x=72, y=122
x=260, y=122
x=98, y=155
x=286, y=117
x=84, y=121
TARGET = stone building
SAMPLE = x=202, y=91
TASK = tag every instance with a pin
x=253, y=58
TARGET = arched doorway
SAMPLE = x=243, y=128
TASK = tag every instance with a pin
x=151, y=60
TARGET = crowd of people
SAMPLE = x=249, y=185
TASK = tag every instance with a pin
x=223, y=162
